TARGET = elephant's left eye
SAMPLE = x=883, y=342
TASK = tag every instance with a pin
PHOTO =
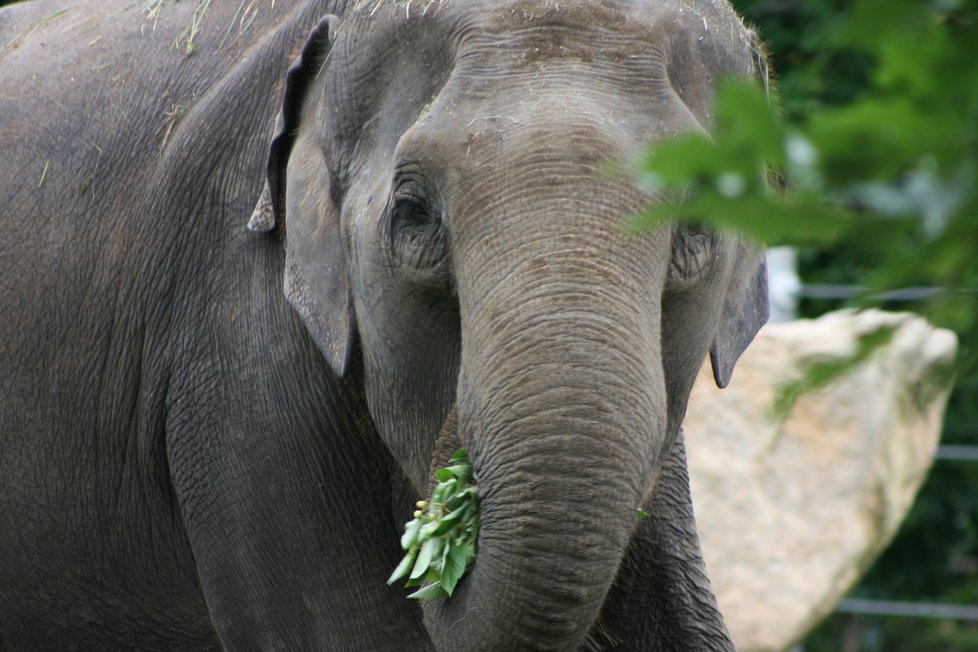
x=410, y=214
x=694, y=251
x=416, y=236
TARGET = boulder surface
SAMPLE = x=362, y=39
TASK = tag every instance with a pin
x=792, y=511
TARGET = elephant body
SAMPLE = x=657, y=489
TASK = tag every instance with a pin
x=211, y=435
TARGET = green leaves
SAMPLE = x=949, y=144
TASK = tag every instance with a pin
x=891, y=170
x=441, y=540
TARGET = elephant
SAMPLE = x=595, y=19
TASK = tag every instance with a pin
x=267, y=264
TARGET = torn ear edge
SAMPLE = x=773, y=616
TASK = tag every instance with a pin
x=270, y=209
x=745, y=310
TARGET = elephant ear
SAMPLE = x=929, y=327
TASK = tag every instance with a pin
x=745, y=310
x=745, y=305
x=297, y=197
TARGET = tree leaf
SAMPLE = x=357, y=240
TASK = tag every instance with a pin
x=443, y=475
x=462, y=473
x=461, y=456
x=451, y=576
x=442, y=537
x=428, y=530
x=428, y=550
x=456, y=562
x=450, y=520
x=471, y=490
x=410, y=535
x=402, y=568
x=430, y=592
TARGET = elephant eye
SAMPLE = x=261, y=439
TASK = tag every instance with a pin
x=413, y=217
x=416, y=236
x=694, y=252
x=410, y=213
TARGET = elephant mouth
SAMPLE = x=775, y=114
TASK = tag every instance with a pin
x=446, y=444
x=448, y=441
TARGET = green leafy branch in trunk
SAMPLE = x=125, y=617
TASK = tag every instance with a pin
x=441, y=539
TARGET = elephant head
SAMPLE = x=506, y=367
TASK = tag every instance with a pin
x=454, y=244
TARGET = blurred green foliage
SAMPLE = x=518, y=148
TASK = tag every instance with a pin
x=890, y=167
x=877, y=139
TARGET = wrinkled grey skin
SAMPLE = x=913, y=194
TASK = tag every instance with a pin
x=191, y=457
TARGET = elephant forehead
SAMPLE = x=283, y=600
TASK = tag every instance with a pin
x=620, y=57
x=531, y=34
x=547, y=24
x=615, y=61
x=482, y=120
x=516, y=13
x=558, y=29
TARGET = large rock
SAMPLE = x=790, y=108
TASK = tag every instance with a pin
x=791, y=513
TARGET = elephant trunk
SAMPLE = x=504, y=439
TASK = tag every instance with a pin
x=562, y=406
